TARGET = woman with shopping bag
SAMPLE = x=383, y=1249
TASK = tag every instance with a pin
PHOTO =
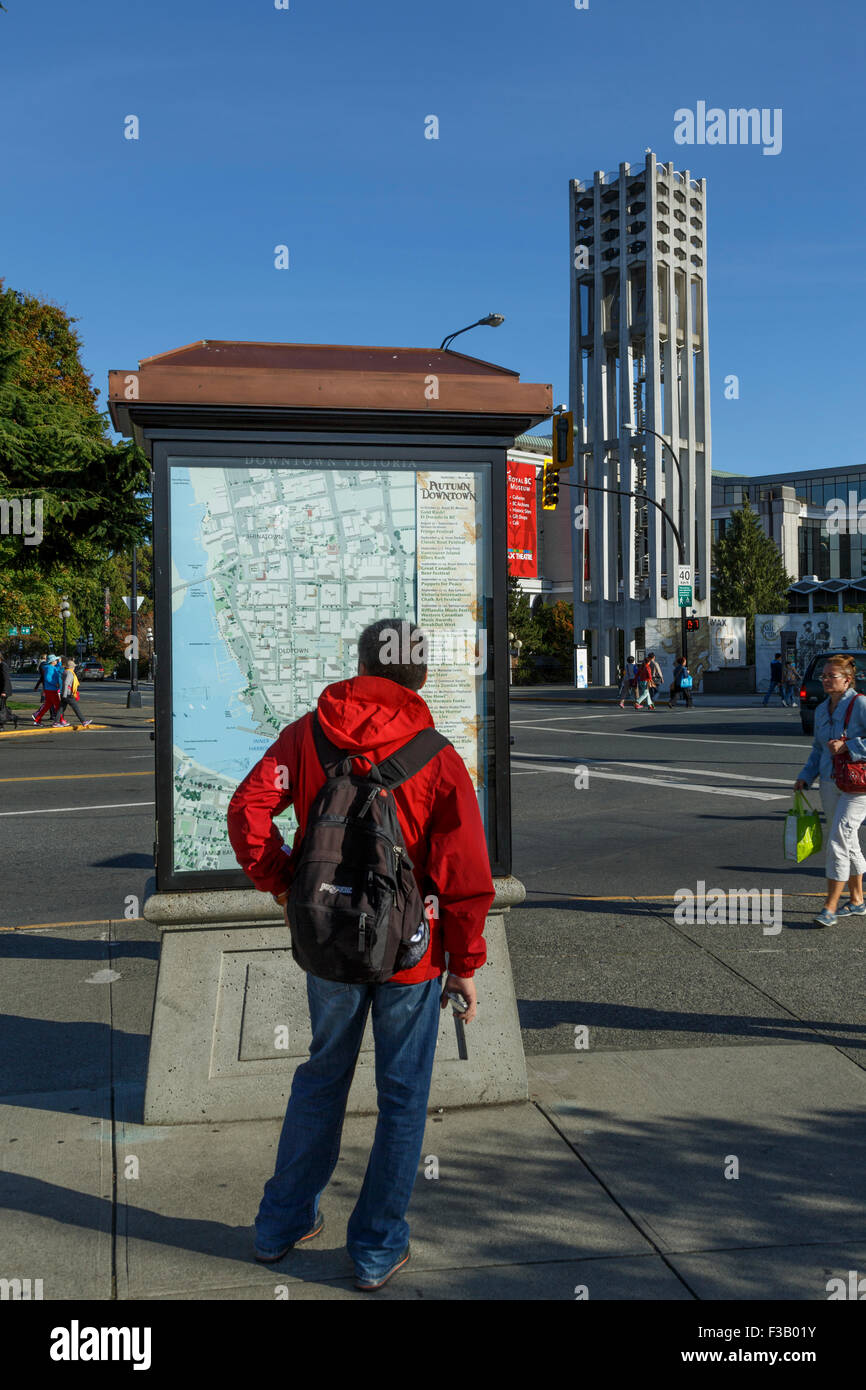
x=838, y=758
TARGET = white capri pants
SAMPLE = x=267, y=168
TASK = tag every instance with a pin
x=843, y=816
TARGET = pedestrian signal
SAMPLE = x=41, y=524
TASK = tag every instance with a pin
x=692, y=624
x=549, y=486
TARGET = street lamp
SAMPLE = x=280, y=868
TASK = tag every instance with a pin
x=64, y=613
x=643, y=430
x=490, y=321
x=683, y=551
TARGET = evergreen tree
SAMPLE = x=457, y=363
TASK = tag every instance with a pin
x=749, y=574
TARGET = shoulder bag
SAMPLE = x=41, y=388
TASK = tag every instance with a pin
x=850, y=777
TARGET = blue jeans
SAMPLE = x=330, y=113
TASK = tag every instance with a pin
x=775, y=685
x=405, y=1030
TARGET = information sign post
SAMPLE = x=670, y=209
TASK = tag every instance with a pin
x=300, y=493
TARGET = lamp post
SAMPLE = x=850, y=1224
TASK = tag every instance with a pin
x=631, y=429
x=490, y=321
x=64, y=614
x=619, y=492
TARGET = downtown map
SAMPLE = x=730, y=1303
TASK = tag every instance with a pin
x=275, y=571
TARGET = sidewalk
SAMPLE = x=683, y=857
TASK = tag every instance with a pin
x=105, y=713
x=612, y=1176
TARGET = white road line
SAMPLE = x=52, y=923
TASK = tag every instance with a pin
x=667, y=783
x=679, y=771
x=60, y=810
x=666, y=738
x=705, y=772
x=519, y=722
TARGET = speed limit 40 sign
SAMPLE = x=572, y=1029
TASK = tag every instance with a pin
x=684, y=586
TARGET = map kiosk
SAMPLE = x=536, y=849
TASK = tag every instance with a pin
x=300, y=492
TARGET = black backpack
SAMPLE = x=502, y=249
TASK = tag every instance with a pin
x=354, y=908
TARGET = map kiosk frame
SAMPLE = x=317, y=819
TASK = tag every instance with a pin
x=212, y=455
x=225, y=959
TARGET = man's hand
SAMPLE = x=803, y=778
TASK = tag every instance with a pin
x=800, y=785
x=836, y=745
x=466, y=988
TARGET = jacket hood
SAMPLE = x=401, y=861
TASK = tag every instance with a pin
x=368, y=712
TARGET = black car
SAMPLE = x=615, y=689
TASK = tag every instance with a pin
x=812, y=691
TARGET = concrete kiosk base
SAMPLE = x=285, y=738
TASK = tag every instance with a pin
x=231, y=1021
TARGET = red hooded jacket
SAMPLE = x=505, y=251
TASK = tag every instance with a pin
x=437, y=810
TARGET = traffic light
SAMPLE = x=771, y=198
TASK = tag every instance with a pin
x=692, y=624
x=563, y=440
x=549, y=486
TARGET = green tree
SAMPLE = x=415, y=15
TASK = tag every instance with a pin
x=55, y=452
x=54, y=445
x=749, y=574
x=524, y=629
x=546, y=632
x=555, y=623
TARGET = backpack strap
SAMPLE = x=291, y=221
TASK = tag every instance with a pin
x=414, y=755
x=331, y=757
x=402, y=765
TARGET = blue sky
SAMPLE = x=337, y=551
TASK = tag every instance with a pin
x=306, y=127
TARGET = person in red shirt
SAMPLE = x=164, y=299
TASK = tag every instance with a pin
x=645, y=682
x=371, y=716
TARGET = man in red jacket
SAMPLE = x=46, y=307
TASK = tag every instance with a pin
x=373, y=714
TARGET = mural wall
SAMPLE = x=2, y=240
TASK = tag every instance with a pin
x=718, y=642
x=807, y=634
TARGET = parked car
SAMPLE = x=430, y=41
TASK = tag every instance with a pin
x=812, y=691
x=93, y=671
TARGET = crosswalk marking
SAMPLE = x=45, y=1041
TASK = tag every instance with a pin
x=665, y=738
x=668, y=782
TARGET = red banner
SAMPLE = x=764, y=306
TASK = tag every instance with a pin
x=522, y=544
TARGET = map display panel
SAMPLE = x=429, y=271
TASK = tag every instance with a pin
x=275, y=571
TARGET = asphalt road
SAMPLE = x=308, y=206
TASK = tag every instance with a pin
x=670, y=799
x=666, y=799
x=76, y=811
x=662, y=800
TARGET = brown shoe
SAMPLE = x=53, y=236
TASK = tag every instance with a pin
x=369, y=1284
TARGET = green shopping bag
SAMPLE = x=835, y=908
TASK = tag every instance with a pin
x=802, y=830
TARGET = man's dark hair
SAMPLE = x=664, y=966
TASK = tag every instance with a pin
x=777, y=657
x=395, y=650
